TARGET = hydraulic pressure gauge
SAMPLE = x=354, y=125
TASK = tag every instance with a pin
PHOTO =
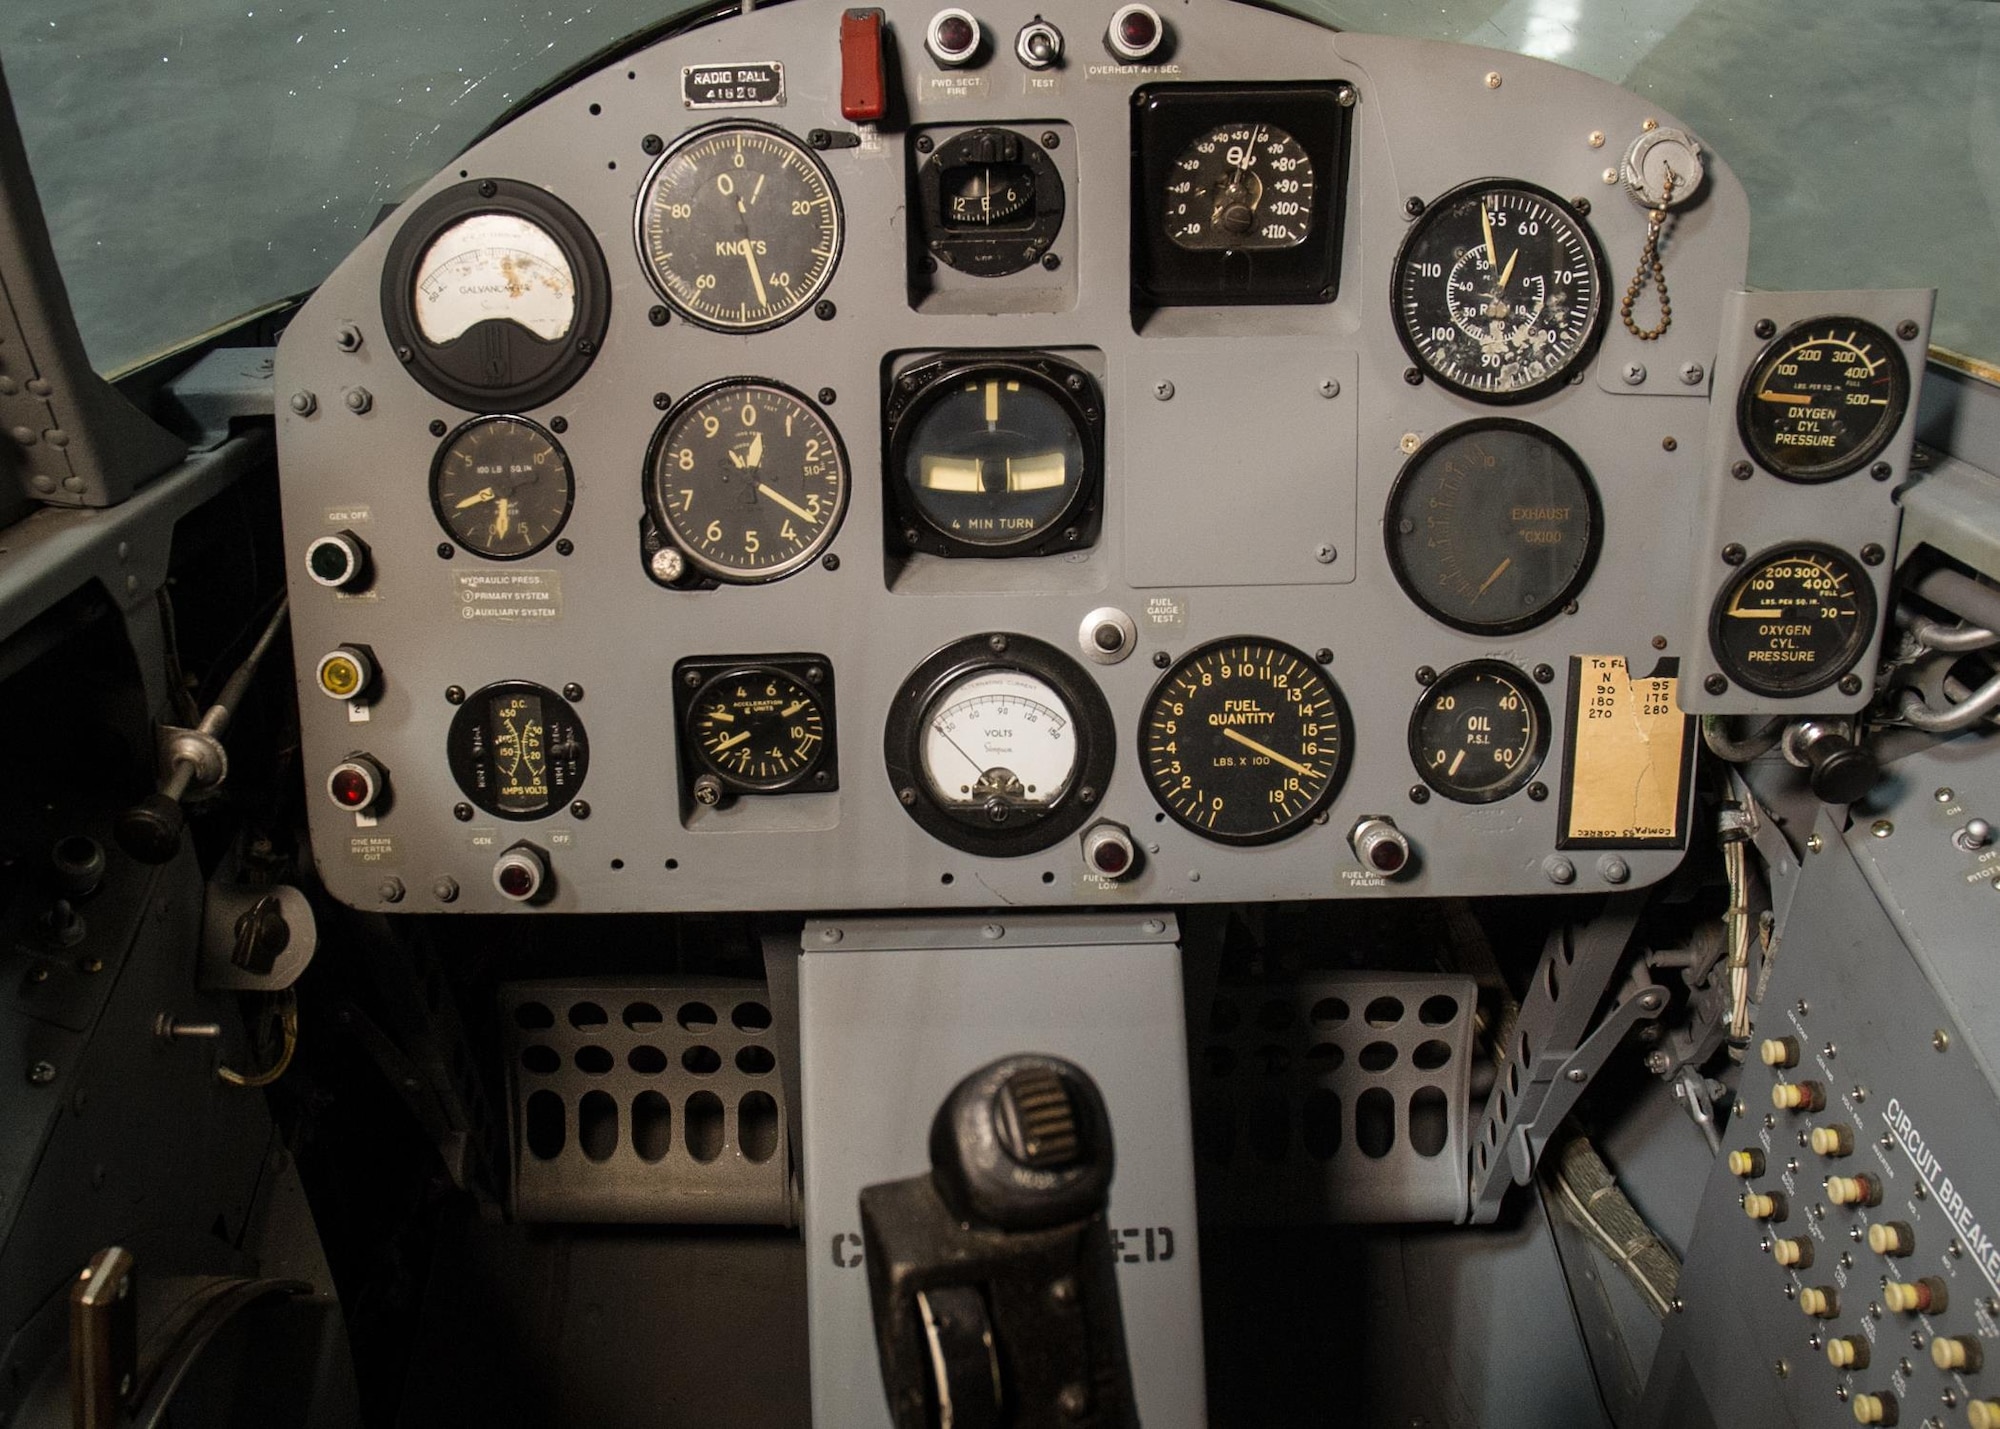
x=995, y=456
x=1493, y=526
x=1824, y=398
x=1244, y=741
x=1480, y=732
x=756, y=726
x=748, y=478
x=999, y=744
x=495, y=296
x=1795, y=619
x=739, y=227
x=518, y=750
x=501, y=487
x=1499, y=291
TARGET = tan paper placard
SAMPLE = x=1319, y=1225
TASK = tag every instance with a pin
x=1627, y=760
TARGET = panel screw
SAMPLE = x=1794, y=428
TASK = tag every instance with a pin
x=830, y=561
x=815, y=675
x=1161, y=659
x=1324, y=554
x=1163, y=391
x=1940, y=1041
x=651, y=144
x=304, y=403
x=406, y=354
x=1324, y=655
x=1581, y=205
x=1613, y=869
x=1715, y=685
x=438, y=428
x=1051, y=139
x=1850, y=684
x=1668, y=444
x=359, y=400
x=1063, y=1292
x=1741, y=470
x=462, y=812
x=559, y=425
x=454, y=694
x=390, y=890
x=565, y=547
x=1881, y=471
x=1426, y=675
x=1538, y=792
x=658, y=315
x=445, y=890
x=925, y=143
x=1052, y=261
x=1493, y=79
x=1419, y=794
x=1764, y=327
x=40, y=1074
x=1413, y=377
x=1871, y=554
x=661, y=401
x=827, y=396
x=1656, y=1062
x=1733, y=554
x=1544, y=674
x=1345, y=96
x=1945, y=794
x=1692, y=373
x=1882, y=828
x=348, y=339
x=1559, y=869
x=907, y=794
x=1329, y=387
x=1414, y=207
x=573, y=692
x=824, y=310
x=1072, y=1402
x=487, y=188
x=1906, y=329
x=1659, y=642
x=1634, y=374
x=666, y=564
x=997, y=644
x=446, y=550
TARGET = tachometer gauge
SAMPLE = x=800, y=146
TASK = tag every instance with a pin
x=1241, y=186
x=1824, y=398
x=1795, y=619
x=1244, y=741
x=1493, y=526
x=495, y=296
x=739, y=227
x=1499, y=291
x=501, y=487
x=518, y=750
x=748, y=478
x=759, y=729
x=995, y=456
x=999, y=744
x=1480, y=732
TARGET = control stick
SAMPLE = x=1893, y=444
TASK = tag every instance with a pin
x=994, y=1294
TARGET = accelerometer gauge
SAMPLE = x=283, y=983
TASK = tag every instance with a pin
x=739, y=227
x=1795, y=619
x=1244, y=741
x=759, y=729
x=748, y=479
x=989, y=202
x=1241, y=186
x=1824, y=398
x=495, y=295
x=1499, y=291
x=996, y=456
x=999, y=744
x=501, y=487
x=1480, y=732
x=518, y=750
x=1493, y=526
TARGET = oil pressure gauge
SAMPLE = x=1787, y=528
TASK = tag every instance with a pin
x=1480, y=732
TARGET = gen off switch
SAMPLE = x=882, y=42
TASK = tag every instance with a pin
x=521, y=874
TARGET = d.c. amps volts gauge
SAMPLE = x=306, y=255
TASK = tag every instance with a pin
x=1823, y=399
x=748, y=478
x=1499, y=291
x=1480, y=732
x=1793, y=620
x=495, y=296
x=756, y=725
x=501, y=487
x=995, y=455
x=739, y=227
x=989, y=202
x=1493, y=526
x=999, y=744
x=1244, y=741
x=518, y=750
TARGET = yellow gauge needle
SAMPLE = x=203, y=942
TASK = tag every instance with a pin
x=1498, y=571
x=756, y=278
x=1796, y=399
x=735, y=460
x=755, y=456
x=791, y=506
x=1248, y=743
x=475, y=499
x=793, y=708
x=502, y=524
x=733, y=739
x=1456, y=760
x=1762, y=612
x=1486, y=223
x=1508, y=271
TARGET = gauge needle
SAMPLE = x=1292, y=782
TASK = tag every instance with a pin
x=756, y=278
x=1486, y=223
x=793, y=507
x=736, y=460
x=502, y=523
x=1248, y=743
x=1797, y=399
x=1456, y=760
x=1498, y=571
x=1508, y=271
x=977, y=766
x=734, y=739
x=475, y=499
x=1762, y=612
x=755, y=456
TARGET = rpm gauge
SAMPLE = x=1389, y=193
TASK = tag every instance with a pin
x=739, y=227
x=501, y=487
x=1824, y=399
x=1493, y=526
x=1499, y=291
x=1244, y=741
x=1480, y=732
x=1241, y=187
x=1795, y=619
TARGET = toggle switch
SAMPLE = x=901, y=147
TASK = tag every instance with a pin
x=1039, y=45
x=864, y=82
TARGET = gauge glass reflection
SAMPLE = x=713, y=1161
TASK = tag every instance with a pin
x=1479, y=732
x=1793, y=621
x=1241, y=187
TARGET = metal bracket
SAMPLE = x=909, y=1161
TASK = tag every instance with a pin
x=1563, y=1090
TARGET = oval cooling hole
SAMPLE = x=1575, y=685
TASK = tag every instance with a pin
x=646, y=1060
x=652, y=1126
x=1377, y=1057
x=1555, y=984
x=587, y=1017
x=701, y=1060
x=534, y=1017
x=1322, y=1124
x=1325, y=1057
x=542, y=1061
x=754, y=1061
x=593, y=1061
x=704, y=1126
x=1375, y=1123
x=1329, y=1012
x=597, y=1125
x=1437, y=1010
x=1431, y=1055
x=642, y=1016
x=751, y=1016
x=697, y=1016
x=1275, y=1060
x=1429, y=1124
x=1270, y=1128
x=757, y=1127
x=545, y=1126
x=1385, y=1012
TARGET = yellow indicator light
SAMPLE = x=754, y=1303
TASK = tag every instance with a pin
x=951, y=473
x=344, y=673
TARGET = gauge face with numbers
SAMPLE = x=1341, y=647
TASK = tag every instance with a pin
x=739, y=227
x=501, y=487
x=1794, y=620
x=1824, y=398
x=1479, y=732
x=758, y=729
x=1499, y=291
x=748, y=479
x=1241, y=187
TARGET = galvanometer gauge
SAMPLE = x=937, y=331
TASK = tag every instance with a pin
x=739, y=227
x=1244, y=741
x=999, y=744
x=1499, y=291
x=757, y=727
x=1493, y=526
x=501, y=487
x=1795, y=619
x=495, y=296
x=1824, y=398
x=518, y=750
x=1480, y=731
x=748, y=479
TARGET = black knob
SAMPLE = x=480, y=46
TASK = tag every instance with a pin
x=1023, y=1143
x=261, y=934
x=1841, y=770
x=151, y=829
x=79, y=865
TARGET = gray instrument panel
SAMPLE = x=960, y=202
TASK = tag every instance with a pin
x=1249, y=452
